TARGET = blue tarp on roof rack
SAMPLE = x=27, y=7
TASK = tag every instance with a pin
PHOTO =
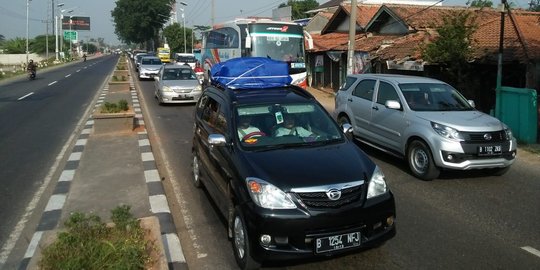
x=251, y=73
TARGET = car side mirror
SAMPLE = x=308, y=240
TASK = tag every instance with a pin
x=348, y=130
x=471, y=102
x=393, y=104
x=217, y=140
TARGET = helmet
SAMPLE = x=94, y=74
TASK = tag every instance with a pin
x=31, y=61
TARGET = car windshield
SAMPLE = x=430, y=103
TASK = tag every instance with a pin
x=271, y=126
x=151, y=61
x=178, y=74
x=434, y=97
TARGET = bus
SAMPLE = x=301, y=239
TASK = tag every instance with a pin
x=276, y=40
x=164, y=54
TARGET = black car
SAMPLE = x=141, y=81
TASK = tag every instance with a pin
x=289, y=182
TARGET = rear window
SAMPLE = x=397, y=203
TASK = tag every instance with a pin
x=151, y=61
x=179, y=74
x=184, y=59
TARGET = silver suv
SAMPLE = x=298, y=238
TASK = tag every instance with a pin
x=425, y=121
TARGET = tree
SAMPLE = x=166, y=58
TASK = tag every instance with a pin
x=479, y=3
x=15, y=46
x=38, y=45
x=299, y=8
x=534, y=5
x=452, y=49
x=175, y=37
x=138, y=21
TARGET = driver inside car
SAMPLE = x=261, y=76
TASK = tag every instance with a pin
x=246, y=130
x=289, y=127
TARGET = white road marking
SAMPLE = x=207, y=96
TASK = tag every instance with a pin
x=158, y=204
x=81, y=142
x=174, y=253
x=33, y=245
x=25, y=96
x=56, y=202
x=148, y=156
x=151, y=176
x=67, y=175
x=68, y=75
x=531, y=250
x=144, y=142
x=52, y=83
x=75, y=156
x=78, y=70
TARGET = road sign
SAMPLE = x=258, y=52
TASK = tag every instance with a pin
x=70, y=35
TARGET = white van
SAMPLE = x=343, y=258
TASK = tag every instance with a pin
x=182, y=58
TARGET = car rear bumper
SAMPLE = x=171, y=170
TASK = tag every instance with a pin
x=295, y=232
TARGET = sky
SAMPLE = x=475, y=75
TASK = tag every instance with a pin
x=197, y=12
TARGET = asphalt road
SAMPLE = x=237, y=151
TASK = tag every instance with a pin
x=37, y=119
x=463, y=220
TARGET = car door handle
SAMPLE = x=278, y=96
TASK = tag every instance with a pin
x=375, y=108
x=349, y=99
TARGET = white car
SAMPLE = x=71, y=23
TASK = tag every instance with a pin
x=149, y=67
x=425, y=121
x=177, y=84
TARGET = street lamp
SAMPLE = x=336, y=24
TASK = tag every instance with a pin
x=56, y=31
x=61, y=26
x=27, y=7
x=184, y=22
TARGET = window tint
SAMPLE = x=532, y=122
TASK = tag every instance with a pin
x=348, y=83
x=364, y=89
x=222, y=38
x=386, y=92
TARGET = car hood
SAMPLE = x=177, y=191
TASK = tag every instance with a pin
x=307, y=167
x=181, y=84
x=464, y=120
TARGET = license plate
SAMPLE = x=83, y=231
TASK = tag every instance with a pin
x=183, y=97
x=337, y=242
x=489, y=150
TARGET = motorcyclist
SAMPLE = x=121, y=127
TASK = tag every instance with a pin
x=84, y=57
x=31, y=68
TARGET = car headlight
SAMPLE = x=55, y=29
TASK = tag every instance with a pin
x=197, y=88
x=447, y=132
x=166, y=89
x=377, y=185
x=508, y=133
x=267, y=195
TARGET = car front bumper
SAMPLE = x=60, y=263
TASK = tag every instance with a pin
x=173, y=97
x=294, y=232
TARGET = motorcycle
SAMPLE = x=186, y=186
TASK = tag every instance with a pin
x=31, y=74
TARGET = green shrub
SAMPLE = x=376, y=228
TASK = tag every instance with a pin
x=89, y=243
x=116, y=78
x=117, y=107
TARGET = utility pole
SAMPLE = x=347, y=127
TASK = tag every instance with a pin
x=213, y=12
x=352, y=37
x=27, y=8
x=500, y=63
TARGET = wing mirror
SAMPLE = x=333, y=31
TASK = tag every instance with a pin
x=348, y=130
x=471, y=102
x=393, y=104
x=216, y=140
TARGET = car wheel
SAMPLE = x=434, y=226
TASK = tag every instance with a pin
x=196, y=171
x=421, y=161
x=500, y=171
x=241, y=243
x=343, y=119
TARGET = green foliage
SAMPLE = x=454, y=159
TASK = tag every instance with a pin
x=479, y=3
x=453, y=46
x=137, y=21
x=89, y=243
x=300, y=7
x=120, y=106
x=16, y=45
x=39, y=44
x=534, y=5
x=116, y=78
x=175, y=37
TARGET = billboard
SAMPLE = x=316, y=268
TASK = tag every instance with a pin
x=77, y=23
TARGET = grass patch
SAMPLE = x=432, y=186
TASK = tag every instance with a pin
x=117, y=107
x=116, y=78
x=89, y=244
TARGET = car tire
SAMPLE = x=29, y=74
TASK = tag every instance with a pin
x=241, y=243
x=421, y=161
x=196, y=166
x=343, y=119
x=500, y=171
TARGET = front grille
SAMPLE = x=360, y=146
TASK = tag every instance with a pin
x=182, y=90
x=478, y=137
x=321, y=200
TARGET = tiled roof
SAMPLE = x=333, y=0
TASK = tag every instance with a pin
x=423, y=20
